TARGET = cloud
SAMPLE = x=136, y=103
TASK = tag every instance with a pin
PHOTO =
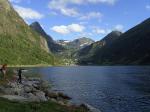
x=104, y=31
x=110, y=2
x=97, y=30
x=62, y=29
x=15, y=1
x=18, y=1
x=28, y=13
x=91, y=15
x=69, y=12
x=63, y=6
x=119, y=27
x=147, y=7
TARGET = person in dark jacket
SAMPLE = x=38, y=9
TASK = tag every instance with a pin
x=20, y=75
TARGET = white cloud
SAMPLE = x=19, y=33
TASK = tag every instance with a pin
x=119, y=27
x=97, y=30
x=28, y=13
x=18, y=1
x=111, y=2
x=91, y=15
x=104, y=31
x=76, y=28
x=69, y=12
x=63, y=6
x=62, y=29
x=147, y=7
x=15, y=1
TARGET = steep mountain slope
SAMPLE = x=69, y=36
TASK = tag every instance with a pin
x=91, y=49
x=53, y=46
x=131, y=48
x=19, y=44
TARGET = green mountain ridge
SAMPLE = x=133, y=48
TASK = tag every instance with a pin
x=131, y=48
x=19, y=44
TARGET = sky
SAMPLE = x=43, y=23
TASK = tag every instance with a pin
x=71, y=19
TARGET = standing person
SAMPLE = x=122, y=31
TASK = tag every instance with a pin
x=20, y=75
x=3, y=70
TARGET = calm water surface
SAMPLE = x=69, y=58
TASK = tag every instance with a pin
x=111, y=89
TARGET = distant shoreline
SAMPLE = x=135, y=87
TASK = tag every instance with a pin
x=42, y=65
x=30, y=65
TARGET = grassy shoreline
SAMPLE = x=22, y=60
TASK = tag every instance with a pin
x=12, y=106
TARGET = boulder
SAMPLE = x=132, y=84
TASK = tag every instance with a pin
x=2, y=89
x=89, y=108
x=28, y=83
x=63, y=96
x=36, y=86
x=44, y=85
x=41, y=96
x=15, y=98
x=34, y=79
x=28, y=89
x=33, y=98
x=52, y=95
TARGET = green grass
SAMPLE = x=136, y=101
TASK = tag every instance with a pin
x=9, y=106
x=19, y=44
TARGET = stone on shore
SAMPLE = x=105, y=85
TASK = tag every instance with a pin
x=30, y=90
x=15, y=98
x=41, y=96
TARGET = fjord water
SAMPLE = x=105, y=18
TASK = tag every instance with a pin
x=110, y=89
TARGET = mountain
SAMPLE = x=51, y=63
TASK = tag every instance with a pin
x=53, y=46
x=91, y=49
x=77, y=43
x=131, y=48
x=19, y=44
x=81, y=42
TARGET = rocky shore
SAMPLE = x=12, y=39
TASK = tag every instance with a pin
x=36, y=90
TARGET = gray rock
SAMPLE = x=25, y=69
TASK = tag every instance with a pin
x=2, y=89
x=15, y=98
x=63, y=96
x=91, y=108
x=34, y=79
x=41, y=96
x=28, y=83
x=53, y=100
x=28, y=89
x=51, y=94
x=61, y=103
x=35, y=86
x=44, y=85
x=33, y=98
x=8, y=91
